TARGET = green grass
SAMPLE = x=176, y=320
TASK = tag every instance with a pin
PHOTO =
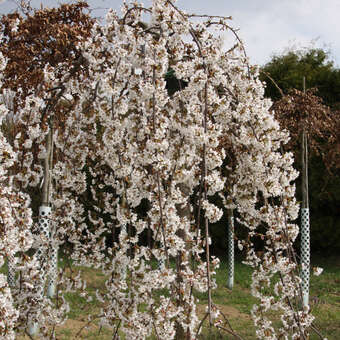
x=235, y=304
x=239, y=296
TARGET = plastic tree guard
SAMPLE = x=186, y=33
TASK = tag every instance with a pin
x=230, y=281
x=305, y=255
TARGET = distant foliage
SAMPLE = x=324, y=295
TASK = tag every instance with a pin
x=315, y=64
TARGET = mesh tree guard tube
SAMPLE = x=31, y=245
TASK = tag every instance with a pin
x=42, y=256
x=305, y=232
x=230, y=280
x=305, y=254
x=11, y=270
x=53, y=269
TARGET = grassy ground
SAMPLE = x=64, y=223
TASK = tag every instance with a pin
x=235, y=305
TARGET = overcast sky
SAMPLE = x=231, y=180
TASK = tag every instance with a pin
x=266, y=26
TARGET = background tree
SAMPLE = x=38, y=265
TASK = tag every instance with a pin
x=314, y=64
x=320, y=105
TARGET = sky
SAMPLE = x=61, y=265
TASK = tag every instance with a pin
x=267, y=27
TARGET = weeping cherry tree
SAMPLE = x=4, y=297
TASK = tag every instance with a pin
x=168, y=150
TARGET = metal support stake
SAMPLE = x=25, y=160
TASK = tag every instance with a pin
x=230, y=281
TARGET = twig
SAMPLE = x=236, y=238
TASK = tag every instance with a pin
x=201, y=323
x=86, y=325
x=116, y=331
x=274, y=82
x=229, y=331
x=29, y=335
x=226, y=320
x=210, y=16
x=314, y=328
x=140, y=8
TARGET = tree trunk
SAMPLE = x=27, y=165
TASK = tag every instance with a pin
x=44, y=231
x=182, y=257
